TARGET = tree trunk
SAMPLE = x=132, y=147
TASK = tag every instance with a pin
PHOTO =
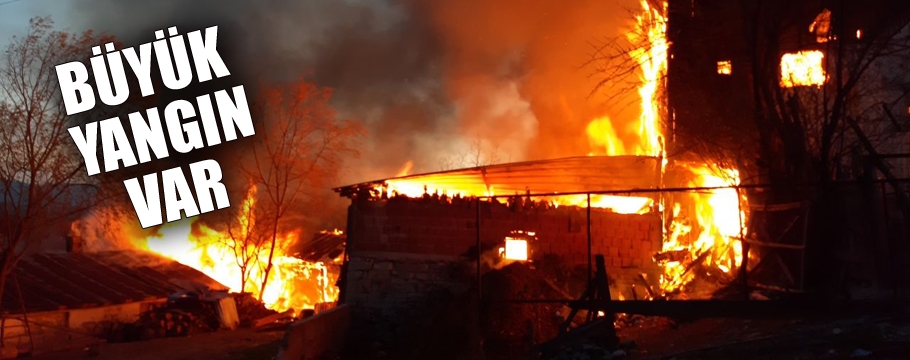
x=268, y=266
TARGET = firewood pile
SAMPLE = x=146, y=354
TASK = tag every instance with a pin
x=188, y=313
x=168, y=321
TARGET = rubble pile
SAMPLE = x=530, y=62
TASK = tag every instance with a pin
x=510, y=329
x=249, y=309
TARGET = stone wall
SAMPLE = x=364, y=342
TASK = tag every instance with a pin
x=384, y=287
x=411, y=305
x=322, y=336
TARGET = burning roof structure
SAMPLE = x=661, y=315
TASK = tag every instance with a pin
x=572, y=177
x=324, y=246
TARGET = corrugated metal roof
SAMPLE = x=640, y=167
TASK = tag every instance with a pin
x=71, y=281
x=565, y=175
x=325, y=245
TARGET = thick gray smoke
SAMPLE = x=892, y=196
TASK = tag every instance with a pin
x=431, y=80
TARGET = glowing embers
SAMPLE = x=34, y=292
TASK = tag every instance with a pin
x=615, y=203
x=518, y=246
x=821, y=27
x=804, y=68
x=725, y=67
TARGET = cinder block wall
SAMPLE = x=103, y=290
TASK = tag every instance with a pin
x=436, y=228
x=410, y=261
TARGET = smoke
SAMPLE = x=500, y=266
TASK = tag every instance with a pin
x=492, y=260
x=107, y=228
x=427, y=78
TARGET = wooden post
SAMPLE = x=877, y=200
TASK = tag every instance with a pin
x=479, y=252
x=589, y=239
x=603, y=294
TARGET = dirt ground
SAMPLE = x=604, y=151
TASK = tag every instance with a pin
x=870, y=337
x=243, y=344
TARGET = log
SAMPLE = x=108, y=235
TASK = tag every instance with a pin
x=272, y=319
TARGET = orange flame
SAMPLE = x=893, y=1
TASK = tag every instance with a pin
x=720, y=219
x=653, y=62
x=415, y=188
x=405, y=169
x=292, y=283
x=601, y=135
x=717, y=213
x=650, y=48
x=804, y=68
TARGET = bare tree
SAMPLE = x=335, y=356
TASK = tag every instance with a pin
x=806, y=132
x=799, y=127
x=478, y=153
x=245, y=238
x=41, y=176
x=300, y=146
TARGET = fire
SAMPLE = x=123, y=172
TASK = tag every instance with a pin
x=292, y=283
x=516, y=249
x=705, y=228
x=601, y=135
x=414, y=188
x=617, y=204
x=650, y=48
x=719, y=220
x=653, y=62
x=804, y=68
x=405, y=169
x=651, y=55
x=821, y=26
x=717, y=213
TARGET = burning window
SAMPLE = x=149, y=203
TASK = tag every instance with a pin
x=821, y=26
x=725, y=67
x=516, y=249
x=518, y=245
x=804, y=68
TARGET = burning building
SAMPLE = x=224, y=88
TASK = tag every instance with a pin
x=799, y=95
x=413, y=240
x=415, y=237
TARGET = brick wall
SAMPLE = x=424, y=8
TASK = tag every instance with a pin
x=411, y=263
x=440, y=228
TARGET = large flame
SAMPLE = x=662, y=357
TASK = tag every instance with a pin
x=292, y=283
x=653, y=62
x=706, y=226
x=716, y=214
x=649, y=50
x=719, y=218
